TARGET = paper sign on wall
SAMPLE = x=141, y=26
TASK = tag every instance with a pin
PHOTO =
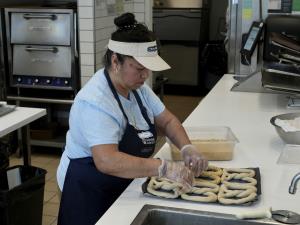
x=247, y=11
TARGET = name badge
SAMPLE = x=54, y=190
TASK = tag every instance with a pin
x=145, y=134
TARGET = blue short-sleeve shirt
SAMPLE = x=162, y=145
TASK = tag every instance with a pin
x=96, y=118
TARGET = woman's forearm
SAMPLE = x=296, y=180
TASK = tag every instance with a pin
x=123, y=165
x=172, y=128
x=176, y=133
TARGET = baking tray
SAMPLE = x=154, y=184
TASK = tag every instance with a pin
x=281, y=77
x=258, y=186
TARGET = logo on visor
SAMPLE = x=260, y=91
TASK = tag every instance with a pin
x=152, y=48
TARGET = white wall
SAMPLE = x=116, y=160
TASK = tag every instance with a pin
x=96, y=25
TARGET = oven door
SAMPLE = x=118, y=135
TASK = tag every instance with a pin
x=38, y=60
x=178, y=24
x=40, y=28
x=181, y=31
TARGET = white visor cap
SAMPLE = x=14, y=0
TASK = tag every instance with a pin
x=145, y=53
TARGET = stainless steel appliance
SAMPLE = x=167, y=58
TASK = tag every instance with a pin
x=281, y=69
x=42, y=48
x=2, y=58
x=181, y=28
x=241, y=14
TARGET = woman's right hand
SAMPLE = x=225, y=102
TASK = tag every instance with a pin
x=177, y=172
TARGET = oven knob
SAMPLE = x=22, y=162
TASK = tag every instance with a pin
x=48, y=81
x=57, y=82
x=19, y=79
x=36, y=80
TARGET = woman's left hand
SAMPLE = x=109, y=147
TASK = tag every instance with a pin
x=193, y=159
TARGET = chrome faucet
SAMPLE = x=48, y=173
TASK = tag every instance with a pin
x=293, y=185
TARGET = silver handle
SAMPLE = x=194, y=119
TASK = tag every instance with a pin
x=46, y=100
x=52, y=49
x=75, y=34
x=29, y=16
x=195, y=10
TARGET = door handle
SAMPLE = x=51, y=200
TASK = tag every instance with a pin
x=29, y=16
x=51, y=49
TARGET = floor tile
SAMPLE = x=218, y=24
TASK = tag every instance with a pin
x=50, y=175
x=51, y=186
x=54, y=222
x=51, y=209
x=52, y=179
x=181, y=106
x=55, y=199
x=48, y=220
x=48, y=195
x=44, y=159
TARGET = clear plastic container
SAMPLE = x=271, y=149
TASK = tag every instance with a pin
x=214, y=142
x=290, y=155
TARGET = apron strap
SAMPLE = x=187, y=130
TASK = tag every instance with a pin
x=137, y=97
x=115, y=93
x=142, y=107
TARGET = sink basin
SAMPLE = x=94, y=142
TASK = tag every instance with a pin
x=159, y=215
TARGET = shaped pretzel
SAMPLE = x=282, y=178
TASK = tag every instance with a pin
x=213, y=170
x=202, y=192
x=163, y=188
x=228, y=195
x=235, y=173
x=209, y=177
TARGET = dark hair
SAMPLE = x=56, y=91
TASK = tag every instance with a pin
x=128, y=30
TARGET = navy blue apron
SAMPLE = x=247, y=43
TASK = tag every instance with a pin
x=87, y=192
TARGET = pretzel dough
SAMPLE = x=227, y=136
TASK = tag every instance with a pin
x=214, y=170
x=209, y=177
x=167, y=188
x=249, y=182
x=206, y=186
x=240, y=170
x=231, y=173
x=227, y=186
x=244, y=194
x=204, y=197
x=234, y=192
x=212, y=174
x=202, y=191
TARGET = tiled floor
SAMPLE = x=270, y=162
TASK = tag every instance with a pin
x=181, y=106
x=48, y=162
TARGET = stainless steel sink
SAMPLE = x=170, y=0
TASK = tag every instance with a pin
x=159, y=215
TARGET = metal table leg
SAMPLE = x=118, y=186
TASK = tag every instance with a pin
x=25, y=145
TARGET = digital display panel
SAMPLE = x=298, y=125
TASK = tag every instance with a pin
x=280, y=6
x=275, y=4
x=251, y=38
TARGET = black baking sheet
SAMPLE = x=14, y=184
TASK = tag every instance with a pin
x=258, y=186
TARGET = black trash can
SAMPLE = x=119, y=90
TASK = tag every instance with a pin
x=213, y=63
x=4, y=155
x=22, y=195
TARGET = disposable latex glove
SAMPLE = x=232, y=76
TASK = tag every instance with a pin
x=177, y=172
x=193, y=159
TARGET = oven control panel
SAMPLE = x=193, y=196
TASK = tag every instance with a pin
x=42, y=82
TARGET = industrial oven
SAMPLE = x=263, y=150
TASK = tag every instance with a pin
x=182, y=29
x=42, y=48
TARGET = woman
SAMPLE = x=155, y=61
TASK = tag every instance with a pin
x=112, y=130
